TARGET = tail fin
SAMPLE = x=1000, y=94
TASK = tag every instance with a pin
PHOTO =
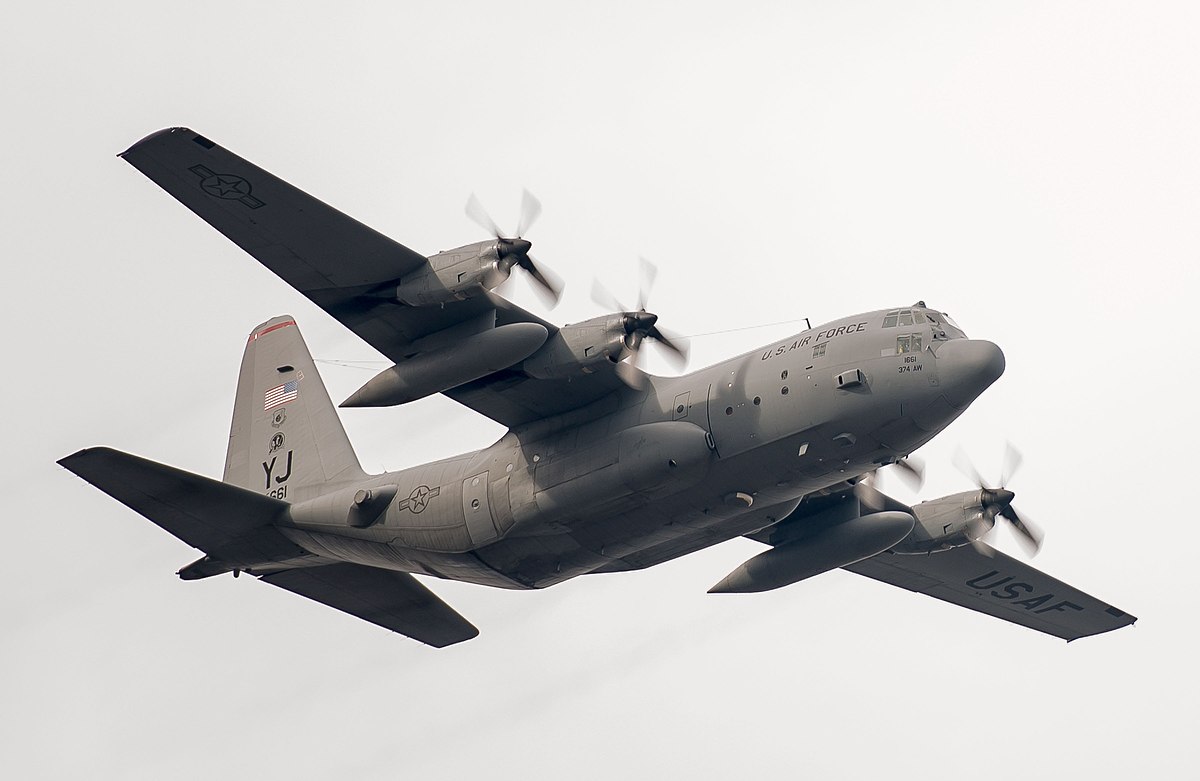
x=286, y=433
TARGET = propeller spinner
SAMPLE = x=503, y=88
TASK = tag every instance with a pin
x=514, y=251
x=997, y=502
x=639, y=325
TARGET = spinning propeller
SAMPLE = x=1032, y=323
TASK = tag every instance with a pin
x=515, y=251
x=997, y=502
x=911, y=470
x=639, y=325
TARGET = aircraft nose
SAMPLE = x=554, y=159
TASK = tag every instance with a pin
x=966, y=367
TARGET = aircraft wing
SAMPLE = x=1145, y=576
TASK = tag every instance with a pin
x=392, y=600
x=331, y=258
x=999, y=586
x=346, y=268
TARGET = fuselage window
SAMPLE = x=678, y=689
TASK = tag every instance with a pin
x=819, y=350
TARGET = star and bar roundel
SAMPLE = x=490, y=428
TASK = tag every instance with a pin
x=229, y=187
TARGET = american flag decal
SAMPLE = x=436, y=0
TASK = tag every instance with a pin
x=281, y=394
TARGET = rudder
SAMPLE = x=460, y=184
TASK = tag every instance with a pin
x=285, y=432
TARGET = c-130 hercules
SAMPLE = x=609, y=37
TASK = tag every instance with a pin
x=603, y=469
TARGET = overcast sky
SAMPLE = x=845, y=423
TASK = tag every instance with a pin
x=1031, y=168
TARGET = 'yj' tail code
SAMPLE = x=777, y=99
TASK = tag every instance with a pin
x=285, y=432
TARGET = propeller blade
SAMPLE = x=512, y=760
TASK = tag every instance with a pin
x=481, y=218
x=982, y=548
x=531, y=208
x=677, y=346
x=912, y=471
x=1028, y=534
x=964, y=465
x=869, y=496
x=628, y=371
x=604, y=297
x=1012, y=462
x=548, y=286
x=648, y=272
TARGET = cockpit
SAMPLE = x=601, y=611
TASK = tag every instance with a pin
x=918, y=314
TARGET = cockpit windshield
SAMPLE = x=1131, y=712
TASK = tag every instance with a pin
x=943, y=325
x=949, y=321
x=898, y=317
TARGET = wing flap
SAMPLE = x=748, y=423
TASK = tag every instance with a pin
x=392, y=600
x=999, y=586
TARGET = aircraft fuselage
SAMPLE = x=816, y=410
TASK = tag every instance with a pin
x=643, y=476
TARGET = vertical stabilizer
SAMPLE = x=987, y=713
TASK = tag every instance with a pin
x=286, y=432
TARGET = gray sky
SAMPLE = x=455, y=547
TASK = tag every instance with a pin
x=1029, y=167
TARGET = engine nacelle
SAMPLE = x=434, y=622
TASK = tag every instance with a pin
x=945, y=523
x=580, y=348
x=454, y=275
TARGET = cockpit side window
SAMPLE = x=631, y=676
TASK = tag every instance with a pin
x=909, y=343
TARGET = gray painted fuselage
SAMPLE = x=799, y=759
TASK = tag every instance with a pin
x=643, y=476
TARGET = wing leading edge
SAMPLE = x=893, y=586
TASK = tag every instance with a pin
x=999, y=586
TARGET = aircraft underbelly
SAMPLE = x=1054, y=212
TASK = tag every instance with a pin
x=739, y=494
x=632, y=541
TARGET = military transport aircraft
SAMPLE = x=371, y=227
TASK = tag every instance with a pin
x=603, y=468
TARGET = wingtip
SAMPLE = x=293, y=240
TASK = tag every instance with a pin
x=470, y=632
x=65, y=461
x=157, y=134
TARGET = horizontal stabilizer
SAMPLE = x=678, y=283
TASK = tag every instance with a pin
x=203, y=512
x=392, y=600
x=999, y=586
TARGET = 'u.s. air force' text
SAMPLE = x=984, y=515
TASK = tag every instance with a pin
x=814, y=339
